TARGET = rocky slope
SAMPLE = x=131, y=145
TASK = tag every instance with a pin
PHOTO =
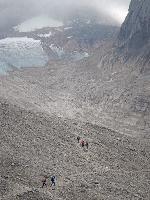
x=35, y=144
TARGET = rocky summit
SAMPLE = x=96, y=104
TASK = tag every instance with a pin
x=103, y=98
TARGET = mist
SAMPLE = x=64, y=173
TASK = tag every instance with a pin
x=14, y=12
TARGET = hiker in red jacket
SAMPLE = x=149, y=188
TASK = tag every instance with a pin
x=82, y=143
x=44, y=182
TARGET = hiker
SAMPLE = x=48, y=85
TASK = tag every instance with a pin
x=53, y=178
x=78, y=138
x=44, y=182
x=82, y=143
x=87, y=145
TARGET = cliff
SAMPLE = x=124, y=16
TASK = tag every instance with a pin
x=134, y=36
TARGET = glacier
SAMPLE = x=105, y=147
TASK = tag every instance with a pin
x=18, y=52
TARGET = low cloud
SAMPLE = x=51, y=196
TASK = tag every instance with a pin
x=13, y=12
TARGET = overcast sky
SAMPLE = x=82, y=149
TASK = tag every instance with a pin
x=13, y=12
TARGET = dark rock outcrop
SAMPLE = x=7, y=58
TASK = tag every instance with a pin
x=134, y=36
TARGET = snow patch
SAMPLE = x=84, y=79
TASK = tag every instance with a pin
x=62, y=54
x=37, y=23
x=45, y=34
x=57, y=50
x=67, y=28
x=17, y=40
x=79, y=55
x=88, y=22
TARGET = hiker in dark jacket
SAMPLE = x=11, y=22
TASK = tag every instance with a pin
x=53, y=179
x=87, y=145
x=78, y=138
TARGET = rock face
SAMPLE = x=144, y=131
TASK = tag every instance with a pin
x=134, y=37
x=125, y=71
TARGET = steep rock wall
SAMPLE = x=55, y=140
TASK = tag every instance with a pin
x=134, y=36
